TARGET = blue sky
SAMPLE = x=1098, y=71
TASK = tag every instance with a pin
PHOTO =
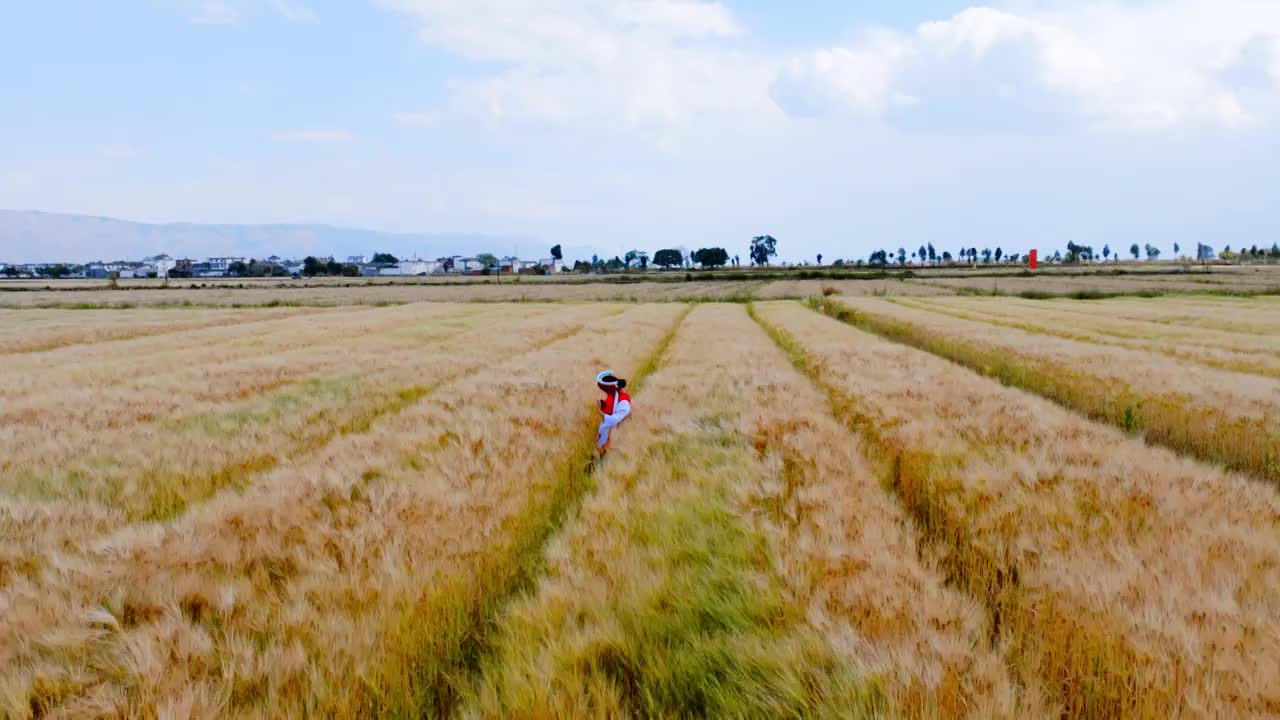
x=838, y=127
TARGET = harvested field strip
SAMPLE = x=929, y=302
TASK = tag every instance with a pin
x=28, y=331
x=737, y=560
x=441, y=641
x=290, y=599
x=1130, y=581
x=237, y=444
x=1220, y=356
x=792, y=289
x=507, y=292
x=1205, y=413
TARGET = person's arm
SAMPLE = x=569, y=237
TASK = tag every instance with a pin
x=621, y=410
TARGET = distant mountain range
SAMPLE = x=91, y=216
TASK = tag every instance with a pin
x=32, y=236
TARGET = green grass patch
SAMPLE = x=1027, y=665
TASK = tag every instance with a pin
x=699, y=625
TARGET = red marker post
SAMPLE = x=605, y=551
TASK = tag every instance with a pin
x=1031, y=257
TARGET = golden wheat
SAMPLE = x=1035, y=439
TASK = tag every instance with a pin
x=1131, y=581
x=1219, y=416
x=279, y=601
x=1049, y=283
x=230, y=444
x=752, y=489
x=1251, y=353
x=219, y=295
x=378, y=511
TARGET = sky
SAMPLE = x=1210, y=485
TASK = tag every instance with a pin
x=838, y=127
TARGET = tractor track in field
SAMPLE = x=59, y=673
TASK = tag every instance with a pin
x=510, y=569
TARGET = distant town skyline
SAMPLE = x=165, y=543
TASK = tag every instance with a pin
x=838, y=126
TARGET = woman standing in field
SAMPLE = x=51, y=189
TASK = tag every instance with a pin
x=614, y=408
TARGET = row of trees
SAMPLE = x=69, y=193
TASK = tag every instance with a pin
x=312, y=267
x=257, y=268
x=762, y=248
x=53, y=271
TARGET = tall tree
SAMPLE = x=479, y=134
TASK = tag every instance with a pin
x=1135, y=251
x=933, y=254
x=488, y=259
x=711, y=257
x=1153, y=252
x=385, y=259
x=819, y=258
x=556, y=253
x=763, y=247
x=999, y=254
x=1106, y=252
x=668, y=258
x=902, y=256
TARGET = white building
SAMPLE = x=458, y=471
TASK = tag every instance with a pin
x=223, y=264
x=357, y=259
x=412, y=267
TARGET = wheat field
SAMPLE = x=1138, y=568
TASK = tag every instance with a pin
x=910, y=506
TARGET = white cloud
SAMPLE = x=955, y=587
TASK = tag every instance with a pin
x=228, y=12
x=416, y=119
x=215, y=12
x=1118, y=66
x=294, y=11
x=608, y=64
x=315, y=136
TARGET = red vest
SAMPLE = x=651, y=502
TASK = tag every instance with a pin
x=610, y=400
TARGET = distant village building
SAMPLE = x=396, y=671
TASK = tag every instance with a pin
x=222, y=264
x=411, y=267
x=121, y=269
